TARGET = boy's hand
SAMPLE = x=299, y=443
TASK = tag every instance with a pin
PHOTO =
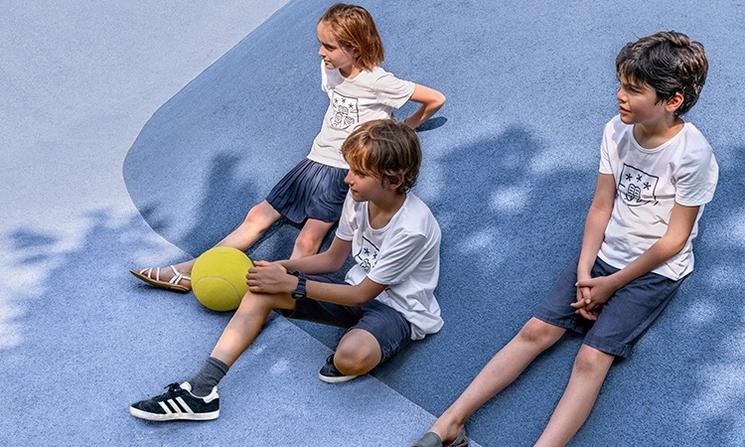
x=601, y=289
x=584, y=299
x=270, y=277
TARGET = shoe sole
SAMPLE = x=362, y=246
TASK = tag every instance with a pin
x=174, y=417
x=339, y=379
x=159, y=284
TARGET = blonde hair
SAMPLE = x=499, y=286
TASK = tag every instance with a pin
x=387, y=149
x=353, y=27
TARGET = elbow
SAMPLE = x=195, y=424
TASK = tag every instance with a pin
x=339, y=263
x=439, y=100
x=674, y=245
x=361, y=298
x=360, y=301
x=678, y=246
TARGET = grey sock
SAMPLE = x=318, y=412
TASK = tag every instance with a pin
x=208, y=376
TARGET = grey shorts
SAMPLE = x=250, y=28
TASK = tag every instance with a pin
x=388, y=326
x=621, y=321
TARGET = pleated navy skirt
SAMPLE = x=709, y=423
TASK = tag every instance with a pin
x=310, y=190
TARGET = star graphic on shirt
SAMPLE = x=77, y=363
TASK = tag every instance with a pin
x=638, y=178
x=366, y=251
x=646, y=185
x=375, y=256
x=628, y=176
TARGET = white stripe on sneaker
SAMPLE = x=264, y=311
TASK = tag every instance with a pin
x=174, y=405
x=165, y=407
x=180, y=400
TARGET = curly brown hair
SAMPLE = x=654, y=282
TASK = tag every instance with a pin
x=354, y=27
x=387, y=149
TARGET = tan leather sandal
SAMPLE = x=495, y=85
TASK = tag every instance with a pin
x=173, y=284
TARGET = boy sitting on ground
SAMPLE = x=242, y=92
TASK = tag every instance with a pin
x=387, y=298
x=656, y=174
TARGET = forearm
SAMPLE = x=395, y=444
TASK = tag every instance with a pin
x=658, y=253
x=320, y=263
x=344, y=294
x=421, y=116
x=595, y=225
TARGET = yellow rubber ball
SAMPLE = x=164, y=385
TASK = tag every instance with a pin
x=218, y=278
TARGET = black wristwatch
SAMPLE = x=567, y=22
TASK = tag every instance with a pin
x=299, y=292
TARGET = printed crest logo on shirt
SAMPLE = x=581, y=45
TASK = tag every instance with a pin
x=367, y=255
x=636, y=187
x=346, y=111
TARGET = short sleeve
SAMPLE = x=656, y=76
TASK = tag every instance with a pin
x=605, y=166
x=398, y=258
x=391, y=91
x=696, y=177
x=347, y=225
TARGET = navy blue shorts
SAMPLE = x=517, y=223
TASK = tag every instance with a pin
x=621, y=321
x=310, y=191
x=389, y=327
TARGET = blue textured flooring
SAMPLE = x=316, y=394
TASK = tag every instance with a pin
x=509, y=170
x=79, y=339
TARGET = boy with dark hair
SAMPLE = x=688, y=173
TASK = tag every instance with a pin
x=387, y=298
x=656, y=174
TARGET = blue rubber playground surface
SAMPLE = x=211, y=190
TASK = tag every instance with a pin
x=137, y=134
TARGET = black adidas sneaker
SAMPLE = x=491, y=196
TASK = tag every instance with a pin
x=178, y=403
x=330, y=374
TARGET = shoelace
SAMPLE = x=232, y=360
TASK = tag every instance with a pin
x=170, y=389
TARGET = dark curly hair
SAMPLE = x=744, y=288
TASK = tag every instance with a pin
x=667, y=61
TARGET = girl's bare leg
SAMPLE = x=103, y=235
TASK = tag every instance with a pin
x=309, y=239
x=256, y=222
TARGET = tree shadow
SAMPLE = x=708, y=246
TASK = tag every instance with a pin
x=507, y=232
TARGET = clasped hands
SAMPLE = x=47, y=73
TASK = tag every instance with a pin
x=270, y=277
x=592, y=294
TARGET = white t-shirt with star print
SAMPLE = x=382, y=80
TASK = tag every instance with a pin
x=370, y=95
x=649, y=182
x=403, y=255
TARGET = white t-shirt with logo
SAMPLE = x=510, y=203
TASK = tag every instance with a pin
x=649, y=182
x=403, y=255
x=372, y=94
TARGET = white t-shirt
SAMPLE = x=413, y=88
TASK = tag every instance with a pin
x=649, y=182
x=372, y=94
x=404, y=255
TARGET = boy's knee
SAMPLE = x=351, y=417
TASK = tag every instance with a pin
x=590, y=361
x=256, y=303
x=539, y=333
x=354, y=361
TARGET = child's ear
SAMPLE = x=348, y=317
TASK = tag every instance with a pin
x=393, y=182
x=674, y=103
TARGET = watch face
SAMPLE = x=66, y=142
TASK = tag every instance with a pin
x=297, y=296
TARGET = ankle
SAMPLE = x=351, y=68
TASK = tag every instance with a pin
x=453, y=419
x=448, y=426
